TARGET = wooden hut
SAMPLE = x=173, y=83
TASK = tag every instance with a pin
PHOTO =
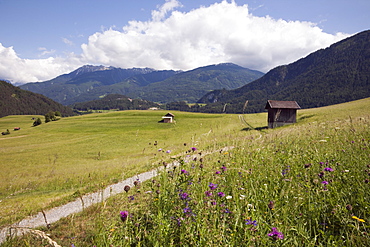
x=281, y=113
x=168, y=118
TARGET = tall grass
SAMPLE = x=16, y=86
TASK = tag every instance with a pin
x=301, y=185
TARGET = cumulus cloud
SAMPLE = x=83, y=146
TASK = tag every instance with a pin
x=222, y=32
x=171, y=39
x=21, y=70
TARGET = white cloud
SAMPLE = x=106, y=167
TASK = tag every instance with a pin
x=20, y=70
x=45, y=52
x=67, y=41
x=222, y=32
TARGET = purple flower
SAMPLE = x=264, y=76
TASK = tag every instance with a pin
x=208, y=193
x=328, y=169
x=250, y=222
x=168, y=151
x=160, y=150
x=217, y=172
x=124, y=215
x=325, y=182
x=221, y=194
x=184, y=196
x=131, y=198
x=193, y=149
x=275, y=234
x=184, y=171
x=223, y=168
x=212, y=186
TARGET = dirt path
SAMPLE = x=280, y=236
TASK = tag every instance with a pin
x=52, y=215
x=12, y=137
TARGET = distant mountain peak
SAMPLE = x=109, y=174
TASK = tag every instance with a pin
x=89, y=68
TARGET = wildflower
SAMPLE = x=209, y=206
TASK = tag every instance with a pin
x=356, y=218
x=184, y=171
x=208, y=193
x=250, y=222
x=223, y=168
x=328, y=169
x=212, y=186
x=217, y=172
x=160, y=150
x=271, y=205
x=126, y=188
x=228, y=197
x=227, y=211
x=168, y=151
x=193, y=149
x=307, y=165
x=184, y=196
x=325, y=182
x=124, y=215
x=275, y=234
x=131, y=198
x=221, y=194
x=321, y=174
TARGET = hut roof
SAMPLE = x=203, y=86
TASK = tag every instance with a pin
x=274, y=104
x=169, y=115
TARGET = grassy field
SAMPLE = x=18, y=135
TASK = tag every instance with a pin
x=46, y=165
x=300, y=185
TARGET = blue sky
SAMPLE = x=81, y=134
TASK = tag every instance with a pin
x=41, y=39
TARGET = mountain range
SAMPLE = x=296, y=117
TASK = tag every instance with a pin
x=93, y=82
x=337, y=74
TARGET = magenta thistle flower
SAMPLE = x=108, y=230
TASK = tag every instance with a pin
x=184, y=171
x=275, y=234
x=328, y=169
x=217, y=172
x=325, y=182
x=124, y=215
x=212, y=186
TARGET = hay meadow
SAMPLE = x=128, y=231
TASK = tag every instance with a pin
x=305, y=184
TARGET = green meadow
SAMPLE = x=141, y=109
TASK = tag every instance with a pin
x=305, y=184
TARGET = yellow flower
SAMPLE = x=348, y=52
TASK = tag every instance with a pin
x=356, y=218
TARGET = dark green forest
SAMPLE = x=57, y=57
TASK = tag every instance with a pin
x=115, y=101
x=16, y=101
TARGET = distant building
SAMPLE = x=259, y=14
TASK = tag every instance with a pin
x=281, y=113
x=168, y=118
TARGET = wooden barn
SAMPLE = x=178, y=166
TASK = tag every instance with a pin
x=168, y=118
x=281, y=113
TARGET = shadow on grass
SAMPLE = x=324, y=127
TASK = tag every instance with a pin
x=257, y=128
x=306, y=116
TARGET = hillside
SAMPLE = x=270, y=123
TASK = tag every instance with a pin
x=115, y=101
x=16, y=101
x=91, y=82
x=191, y=85
x=337, y=74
